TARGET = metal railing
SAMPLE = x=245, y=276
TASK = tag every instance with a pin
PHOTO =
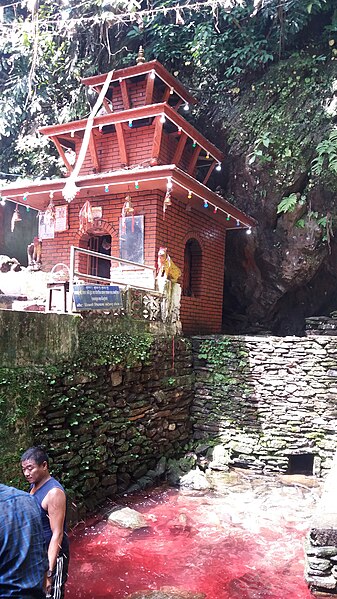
x=140, y=301
x=76, y=273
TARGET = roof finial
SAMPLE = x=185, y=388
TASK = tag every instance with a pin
x=140, y=58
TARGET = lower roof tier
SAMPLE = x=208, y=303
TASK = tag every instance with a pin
x=167, y=178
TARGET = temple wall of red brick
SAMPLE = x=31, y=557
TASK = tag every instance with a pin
x=57, y=249
x=136, y=95
x=200, y=314
x=190, y=228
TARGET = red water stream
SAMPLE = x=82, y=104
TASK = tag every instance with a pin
x=237, y=546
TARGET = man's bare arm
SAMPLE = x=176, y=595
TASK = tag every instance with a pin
x=56, y=507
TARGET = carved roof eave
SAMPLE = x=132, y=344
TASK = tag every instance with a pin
x=143, y=69
x=124, y=116
x=156, y=177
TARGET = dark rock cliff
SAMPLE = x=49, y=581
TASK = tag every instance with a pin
x=287, y=268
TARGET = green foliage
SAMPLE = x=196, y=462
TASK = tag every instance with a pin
x=276, y=111
x=325, y=222
x=326, y=158
x=24, y=388
x=217, y=50
x=122, y=348
x=216, y=351
x=44, y=54
x=220, y=353
x=288, y=203
x=260, y=146
x=21, y=393
x=315, y=5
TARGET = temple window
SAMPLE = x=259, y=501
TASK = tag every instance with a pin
x=131, y=238
x=192, y=268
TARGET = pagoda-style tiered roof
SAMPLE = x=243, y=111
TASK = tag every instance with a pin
x=137, y=140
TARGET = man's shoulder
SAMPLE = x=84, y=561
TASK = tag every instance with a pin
x=55, y=484
x=7, y=493
x=54, y=490
x=14, y=500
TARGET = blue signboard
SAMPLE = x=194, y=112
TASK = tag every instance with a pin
x=97, y=297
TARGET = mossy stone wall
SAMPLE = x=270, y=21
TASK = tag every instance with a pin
x=108, y=402
x=110, y=398
x=35, y=338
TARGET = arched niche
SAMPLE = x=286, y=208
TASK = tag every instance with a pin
x=192, y=268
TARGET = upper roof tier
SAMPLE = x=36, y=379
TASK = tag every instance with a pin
x=136, y=121
x=160, y=86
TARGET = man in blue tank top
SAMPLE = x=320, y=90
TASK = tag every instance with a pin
x=23, y=555
x=51, y=498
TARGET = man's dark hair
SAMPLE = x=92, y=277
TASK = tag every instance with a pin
x=38, y=454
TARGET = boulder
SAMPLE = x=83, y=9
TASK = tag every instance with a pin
x=195, y=480
x=220, y=459
x=180, y=525
x=125, y=517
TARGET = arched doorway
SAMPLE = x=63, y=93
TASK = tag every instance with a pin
x=99, y=237
x=99, y=267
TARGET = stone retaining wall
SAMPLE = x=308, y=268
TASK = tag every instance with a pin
x=267, y=398
x=321, y=325
x=321, y=542
x=108, y=407
x=109, y=427
x=111, y=399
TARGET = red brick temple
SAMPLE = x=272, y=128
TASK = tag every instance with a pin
x=136, y=181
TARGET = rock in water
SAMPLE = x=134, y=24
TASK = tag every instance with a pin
x=167, y=593
x=195, y=480
x=127, y=518
x=180, y=525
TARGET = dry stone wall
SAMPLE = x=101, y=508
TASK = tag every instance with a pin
x=114, y=402
x=271, y=401
x=108, y=429
x=321, y=541
x=112, y=408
